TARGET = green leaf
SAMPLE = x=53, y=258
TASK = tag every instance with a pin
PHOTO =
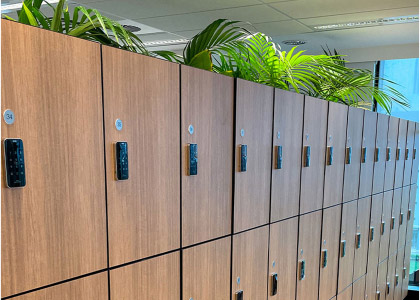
x=30, y=16
x=202, y=61
x=56, y=20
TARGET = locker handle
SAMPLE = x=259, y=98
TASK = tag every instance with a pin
x=398, y=155
x=302, y=270
x=377, y=151
x=388, y=287
x=401, y=218
x=363, y=155
x=371, y=234
x=404, y=272
x=392, y=223
x=343, y=248
x=307, y=153
x=193, y=159
x=414, y=153
x=273, y=284
x=244, y=157
x=378, y=295
x=407, y=153
x=358, y=240
x=330, y=155
x=279, y=157
x=388, y=154
x=348, y=155
x=397, y=279
x=409, y=215
x=239, y=295
x=382, y=228
x=324, y=258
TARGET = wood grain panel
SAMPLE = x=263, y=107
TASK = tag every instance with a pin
x=354, y=140
x=395, y=214
x=390, y=277
x=249, y=263
x=408, y=164
x=346, y=294
x=375, y=223
x=254, y=115
x=330, y=241
x=415, y=166
x=380, y=143
x=405, y=199
x=382, y=279
x=288, y=126
x=359, y=289
x=371, y=277
x=309, y=251
x=348, y=233
x=399, y=164
x=314, y=136
x=368, y=142
x=207, y=104
x=399, y=275
x=412, y=205
x=336, y=138
x=362, y=228
x=386, y=218
x=392, y=145
x=143, y=211
x=55, y=227
x=206, y=271
x=406, y=279
x=282, y=258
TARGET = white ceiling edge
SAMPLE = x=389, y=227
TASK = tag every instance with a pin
x=381, y=53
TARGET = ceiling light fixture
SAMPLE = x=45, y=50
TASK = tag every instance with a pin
x=19, y=5
x=294, y=42
x=167, y=42
x=368, y=23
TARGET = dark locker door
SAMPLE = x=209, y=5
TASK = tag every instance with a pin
x=380, y=153
x=368, y=153
x=254, y=125
x=385, y=228
x=207, y=121
x=353, y=146
x=411, y=129
x=359, y=289
x=415, y=165
x=395, y=222
x=206, y=270
x=282, y=259
x=391, y=152
x=390, y=277
x=404, y=156
x=308, y=256
x=313, y=154
x=405, y=199
x=287, y=142
x=249, y=264
x=54, y=228
x=335, y=154
x=381, y=283
x=362, y=237
x=331, y=221
x=143, y=211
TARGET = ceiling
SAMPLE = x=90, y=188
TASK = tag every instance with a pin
x=174, y=20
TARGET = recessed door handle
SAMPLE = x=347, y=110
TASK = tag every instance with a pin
x=377, y=152
x=348, y=155
x=302, y=270
x=358, y=240
x=193, y=159
x=330, y=155
x=398, y=155
x=244, y=157
x=324, y=258
x=371, y=234
x=407, y=153
x=343, y=248
x=414, y=153
x=363, y=155
x=307, y=154
x=273, y=284
x=279, y=157
x=388, y=154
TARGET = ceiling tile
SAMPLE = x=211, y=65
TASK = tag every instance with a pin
x=159, y=37
x=187, y=33
x=282, y=28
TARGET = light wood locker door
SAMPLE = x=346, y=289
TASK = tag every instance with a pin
x=399, y=164
x=391, y=152
x=287, y=134
x=308, y=256
x=282, y=259
x=347, y=245
x=390, y=277
x=331, y=221
x=405, y=199
x=353, y=142
x=207, y=109
x=346, y=294
x=143, y=211
x=406, y=269
x=93, y=287
x=371, y=277
x=362, y=234
x=381, y=283
x=380, y=153
x=399, y=275
x=411, y=212
x=375, y=231
x=249, y=263
x=206, y=270
x=415, y=165
x=359, y=288
x=335, y=154
x=385, y=227
x=313, y=154
x=54, y=228
x=395, y=222
x=254, y=126
x=368, y=154
x=408, y=164
x=155, y=278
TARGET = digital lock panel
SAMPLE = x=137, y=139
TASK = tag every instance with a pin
x=121, y=160
x=15, y=163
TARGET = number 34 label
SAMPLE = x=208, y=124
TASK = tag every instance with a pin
x=9, y=116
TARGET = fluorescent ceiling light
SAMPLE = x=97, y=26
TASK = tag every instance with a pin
x=167, y=42
x=19, y=5
x=368, y=23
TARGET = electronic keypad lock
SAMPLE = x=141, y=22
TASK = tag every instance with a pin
x=273, y=284
x=371, y=234
x=244, y=157
x=378, y=295
x=15, y=163
x=193, y=160
x=388, y=154
x=330, y=155
x=377, y=151
x=348, y=155
x=239, y=295
x=407, y=153
x=343, y=248
x=279, y=157
x=363, y=155
x=121, y=160
x=324, y=260
x=302, y=270
x=398, y=155
x=307, y=156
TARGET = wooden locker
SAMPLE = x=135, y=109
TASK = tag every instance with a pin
x=254, y=126
x=346, y=294
x=347, y=245
x=411, y=212
x=390, y=277
x=93, y=287
x=415, y=165
x=399, y=164
x=411, y=129
x=308, y=256
x=406, y=269
x=381, y=283
x=368, y=153
x=143, y=211
x=405, y=199
x=385, y=228
x=380, y=153
x=359, y=289
x=207, y=105
x=206, y=270
x=353, y=142
x=313, y=154
x=375, y=231
x=331, y=221
x=371, y=277
x=249, y=263
x=395, y=221
x=287, y=134
x=155, y=278
x=399, y=275
x=391, y=151
x=282, y=259
x=335, y=153
x=54, y=228
x=362, y=237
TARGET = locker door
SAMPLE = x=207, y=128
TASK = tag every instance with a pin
x=399, y=275
x=391, y=150
x=249, y=264
x=143, y=211
x=371, y=277
x=368, y=153
x=254, y=126
x=359, y=289
x=354, y=142
x=390, y=277
x=405, y=199
x=399, y=165
x=411, y=208
x=94, y=287
x=282, y=262
x=415, y=165
x=411, y=129
x=347, y=245
x=287, y=134
x=385, y=227
x=346, y=294
x=54, y=228
x=395, y=222
x=207, y=105
x=375, y=231
x=335, y=153
x=155, y=278
x=331, y=221
x=406, y=275
x=362, y=234
x=313, y=154
x=381, y=284
x=308, y=256
x=380, y=153
x=206, y=270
